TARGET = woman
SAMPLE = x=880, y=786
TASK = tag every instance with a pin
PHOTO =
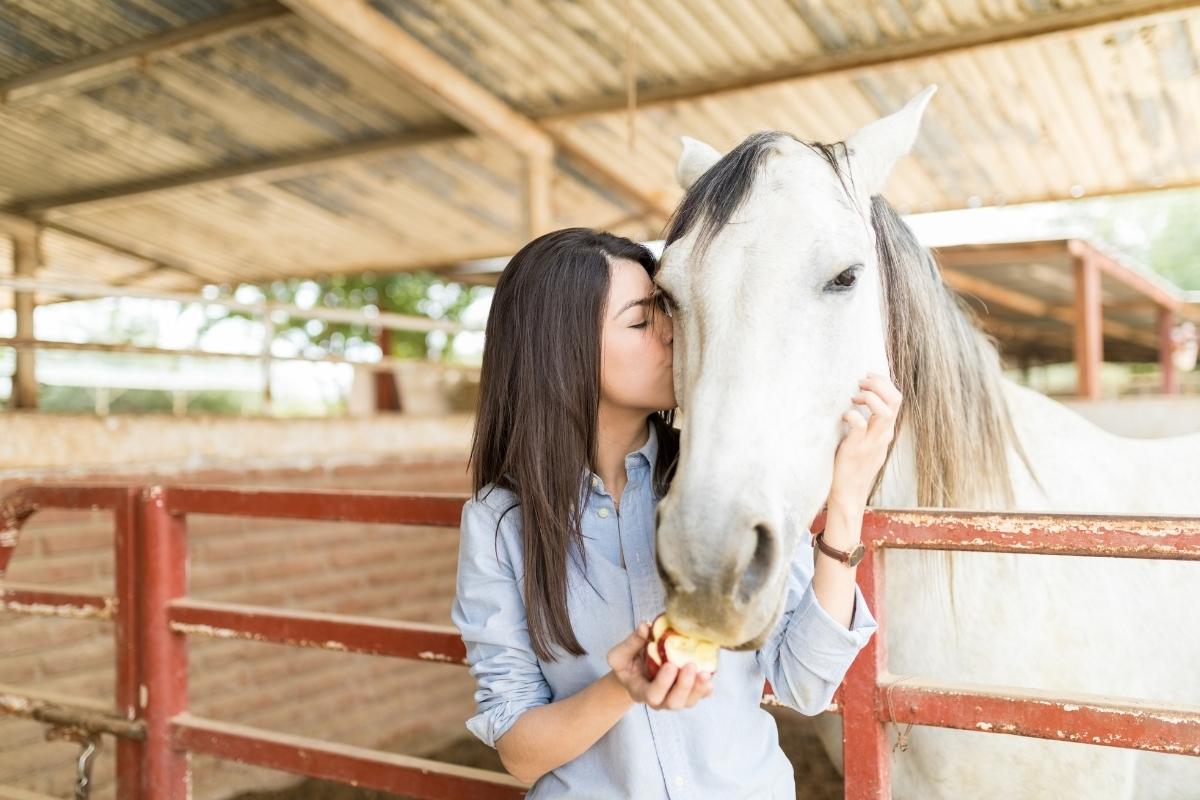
x=573, y=447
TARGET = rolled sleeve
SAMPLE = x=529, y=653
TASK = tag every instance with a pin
x=808, y=653
x=489, y=612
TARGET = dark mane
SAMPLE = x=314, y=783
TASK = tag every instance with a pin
x=719, y=192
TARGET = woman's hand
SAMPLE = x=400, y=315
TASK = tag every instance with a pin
x=672, y=688
x=862, y=451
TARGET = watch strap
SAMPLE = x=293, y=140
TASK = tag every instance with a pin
x=831, y=551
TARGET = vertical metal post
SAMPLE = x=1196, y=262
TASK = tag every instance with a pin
x=128, y=557
x=866, y=756
x=163, y=693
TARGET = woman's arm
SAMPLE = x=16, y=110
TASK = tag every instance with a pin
x=549, y=736
x=514, y=712
x=860, y=456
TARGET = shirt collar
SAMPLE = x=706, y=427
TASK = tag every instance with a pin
x=647, y=453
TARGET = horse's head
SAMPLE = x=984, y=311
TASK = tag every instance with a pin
x=778, y=311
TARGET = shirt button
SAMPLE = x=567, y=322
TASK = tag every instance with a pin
x=602, y=513
x=679, y=780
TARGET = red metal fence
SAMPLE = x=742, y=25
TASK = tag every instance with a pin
x=870, y=694
x=153, y=618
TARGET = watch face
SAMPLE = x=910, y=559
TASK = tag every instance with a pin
x=856, y=555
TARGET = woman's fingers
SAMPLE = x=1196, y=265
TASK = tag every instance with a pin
x=682, y=690
x=627, y=650
x=656, y=692
x=855, y=421
x=883, y=386
x=701, y=689
x=872, y=401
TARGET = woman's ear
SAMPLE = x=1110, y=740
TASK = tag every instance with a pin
x=694, y=160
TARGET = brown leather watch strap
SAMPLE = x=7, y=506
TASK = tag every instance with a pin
x=833, y=552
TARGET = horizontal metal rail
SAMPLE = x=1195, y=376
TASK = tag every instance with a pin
x=371, y=769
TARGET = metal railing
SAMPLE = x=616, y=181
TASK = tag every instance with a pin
x=154, y=617
x=871, y=696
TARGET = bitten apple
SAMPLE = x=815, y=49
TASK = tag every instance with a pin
x=669, y=645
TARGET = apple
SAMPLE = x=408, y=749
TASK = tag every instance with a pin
x=669, y=645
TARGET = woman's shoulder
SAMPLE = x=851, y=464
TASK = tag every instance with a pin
x=490, y=513
x=495, y=500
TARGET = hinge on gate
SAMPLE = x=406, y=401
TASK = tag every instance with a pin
x=90, y=744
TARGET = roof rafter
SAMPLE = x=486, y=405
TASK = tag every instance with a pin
x=267, y=170
x=379, y=39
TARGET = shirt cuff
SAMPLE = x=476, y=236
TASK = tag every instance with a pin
x=490, y=725
x=824, y=645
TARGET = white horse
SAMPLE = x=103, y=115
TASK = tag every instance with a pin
x=791, y=278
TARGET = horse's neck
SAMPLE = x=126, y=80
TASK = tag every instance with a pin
x=898, y=489
x=1082, y=467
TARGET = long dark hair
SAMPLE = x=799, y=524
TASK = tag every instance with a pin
x=539, y=397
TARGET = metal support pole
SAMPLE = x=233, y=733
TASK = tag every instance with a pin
x=163, y=693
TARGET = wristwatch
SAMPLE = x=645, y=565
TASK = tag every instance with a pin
x=850, y=559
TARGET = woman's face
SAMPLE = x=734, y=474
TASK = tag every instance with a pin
x=635, y=361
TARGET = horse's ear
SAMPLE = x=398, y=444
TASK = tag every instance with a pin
x=694, y=160
x=876, y=147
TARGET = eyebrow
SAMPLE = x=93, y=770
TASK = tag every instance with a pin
x=644, y=301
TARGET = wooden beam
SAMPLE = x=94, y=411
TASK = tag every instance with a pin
x=1053, y=250
x=272, y=169
x=1040, y=309
x=73, y=75
x=1135, y=280
x=17, y=225
x=370, y=34
x=538, y=183
x=26, y=263
x=1089, y=338
x=373, y=35
x=1166, y=351
x=1038, y=27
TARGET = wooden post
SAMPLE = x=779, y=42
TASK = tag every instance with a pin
x=538, y=173
x=268, y=340
x=387, y=383
x=1089, y=336
x=26, y=262
x=1166, y=349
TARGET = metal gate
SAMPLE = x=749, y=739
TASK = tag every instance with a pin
x=153, y=619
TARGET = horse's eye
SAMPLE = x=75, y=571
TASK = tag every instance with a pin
x=846, y=278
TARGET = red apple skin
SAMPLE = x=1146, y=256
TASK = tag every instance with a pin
x=652, y=666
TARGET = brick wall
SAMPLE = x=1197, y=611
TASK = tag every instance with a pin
x=388, y=571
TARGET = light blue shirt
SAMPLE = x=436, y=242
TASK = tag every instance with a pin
x=727, y=745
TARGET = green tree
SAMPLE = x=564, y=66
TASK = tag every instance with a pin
x=414, y=293
x=1158, y=229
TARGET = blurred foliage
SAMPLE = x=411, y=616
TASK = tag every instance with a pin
x=422, y=294
x=81, y=400
x=1158, y=229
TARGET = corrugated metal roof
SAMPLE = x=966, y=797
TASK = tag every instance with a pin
x=1037, y=101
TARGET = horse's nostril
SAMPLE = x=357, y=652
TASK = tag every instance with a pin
x=760, y=563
